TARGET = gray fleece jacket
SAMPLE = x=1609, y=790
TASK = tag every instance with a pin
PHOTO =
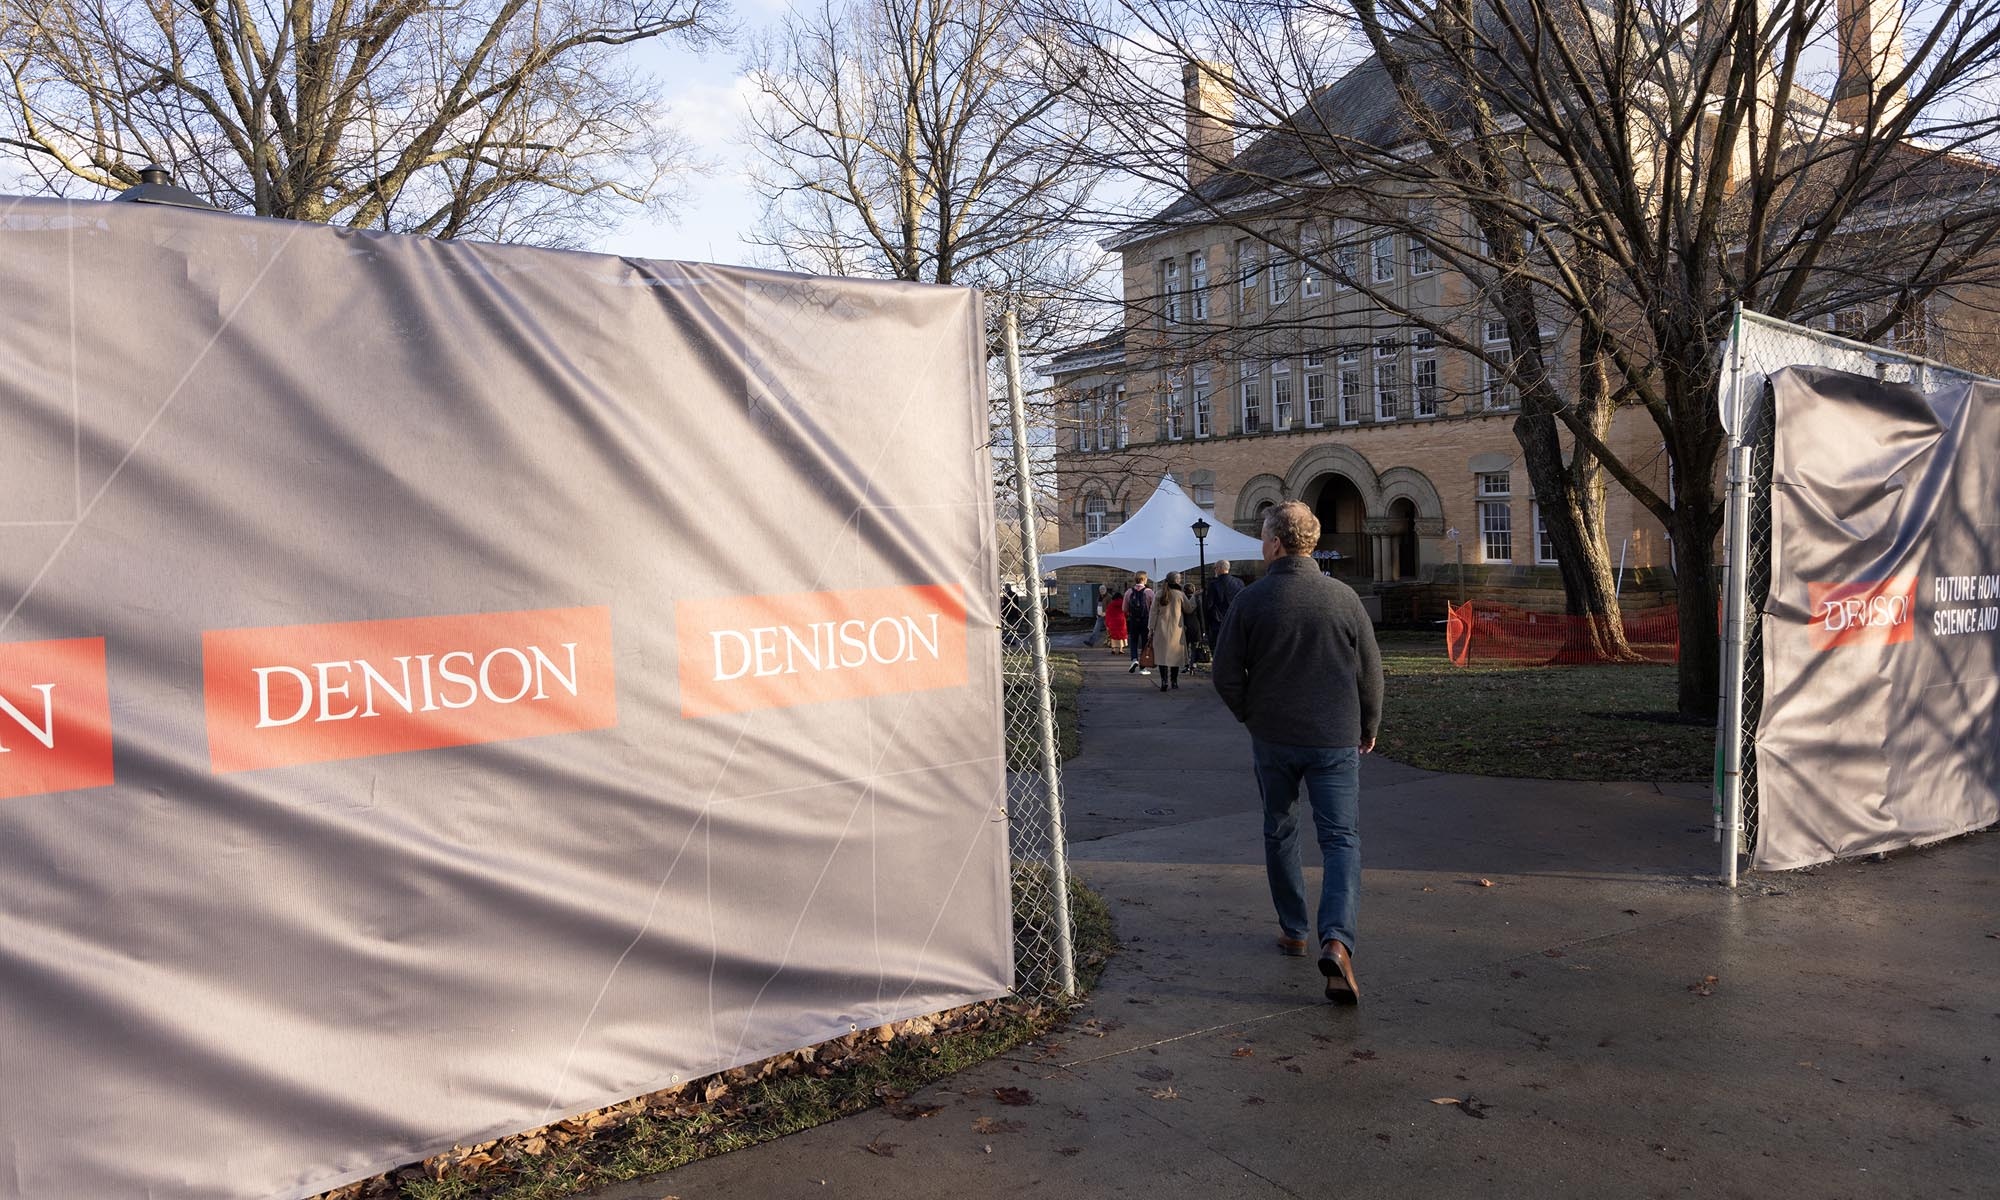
x=1296, y=660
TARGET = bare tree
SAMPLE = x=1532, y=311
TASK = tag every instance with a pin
x=1633, y=168
x=935, y=141
x=493, y=118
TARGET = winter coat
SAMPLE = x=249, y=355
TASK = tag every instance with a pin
x=1114, y=618
x=1169, y=627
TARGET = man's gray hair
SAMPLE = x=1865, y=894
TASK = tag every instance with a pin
x=1222, y=566
x=1294, y=525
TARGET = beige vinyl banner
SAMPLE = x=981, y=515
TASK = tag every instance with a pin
x=446, y=687
x=1880, y=725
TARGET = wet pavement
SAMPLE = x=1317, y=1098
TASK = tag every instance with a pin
x=1553, y=961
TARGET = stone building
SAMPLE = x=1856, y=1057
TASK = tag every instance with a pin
x=1255, y=376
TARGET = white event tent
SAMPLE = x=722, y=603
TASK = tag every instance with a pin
x=1159, y=538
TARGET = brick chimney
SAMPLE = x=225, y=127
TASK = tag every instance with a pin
x=1211, y=143
x=1871, y=53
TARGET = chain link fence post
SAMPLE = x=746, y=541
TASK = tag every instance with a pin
x=1045, y=956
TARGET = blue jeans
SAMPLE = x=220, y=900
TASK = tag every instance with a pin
x=1332, y=777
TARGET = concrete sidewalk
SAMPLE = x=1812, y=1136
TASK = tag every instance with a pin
x=1845, y=1046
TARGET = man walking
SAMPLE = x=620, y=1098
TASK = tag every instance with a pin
x=1216, y=600
x=1297, y=663
x=1138, y=613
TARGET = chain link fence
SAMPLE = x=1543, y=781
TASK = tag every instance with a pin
x=1758, y=347
x=1044, y=959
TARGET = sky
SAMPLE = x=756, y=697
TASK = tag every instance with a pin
x=706, y=95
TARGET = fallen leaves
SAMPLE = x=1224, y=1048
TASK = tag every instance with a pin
x=1469, y=1106
x=1018, y=1097
x=1166, y=1093
x=913, y=1112
x=881, y=1149
x=992, y=1125
x=1243, y=1052
x=1556, y=953
x=1485, y=883
x=1705, y=986
x=1362, y=1055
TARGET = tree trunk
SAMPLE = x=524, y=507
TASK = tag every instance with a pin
x=1697, y=594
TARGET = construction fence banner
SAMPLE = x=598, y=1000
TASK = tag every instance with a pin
x=446, y=687
x=1485, y=632
x=1881, y=630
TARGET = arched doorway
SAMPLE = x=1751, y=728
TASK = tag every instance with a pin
x=1338, y=504
x=1403, y=532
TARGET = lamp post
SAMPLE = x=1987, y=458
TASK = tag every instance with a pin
x=1200, y=528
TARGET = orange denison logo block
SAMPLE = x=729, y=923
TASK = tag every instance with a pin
x=743, y=653
x=291, y=694
x=55, y=717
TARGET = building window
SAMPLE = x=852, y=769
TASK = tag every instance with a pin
x=1118, y=418
x=1422, y=224
x=1204, y=404
x=1496, y=517
x=1281, y=270
x=1346, y=256
x=1382, y=258
x=1315, y=398
x=1281, y=396
x=1386, y=383
x=1423, y=374
x=1201, y=488
x=1253, y=407
x=1170, y=290
x=1083, y=425
x=1850, y=323
x=1350, y=385
x=1545, y=548
x=1173, y=414
x=1096, y=518
x=1912, y=332
x=1249, y=260
x=1312, y=246
x=1104, y=418
x=1198, y=285
x=1499, y=388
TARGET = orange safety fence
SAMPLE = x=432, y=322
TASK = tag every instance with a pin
x=1480, y=631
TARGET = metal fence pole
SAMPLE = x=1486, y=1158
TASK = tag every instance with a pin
x=1735, y=600
x=1045, y=716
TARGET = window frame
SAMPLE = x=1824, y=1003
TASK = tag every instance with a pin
x=1202, y=414
x=1378, y=256
x=1281, y=374
x=1249, y=405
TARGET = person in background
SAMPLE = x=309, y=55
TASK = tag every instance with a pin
x=1138, y=611
x=1114, y=619
x=1297, y=663
x=1222, y=591
x=1098, y=635
x=1169, y=632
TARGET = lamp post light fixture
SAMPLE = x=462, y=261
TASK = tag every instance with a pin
x=1200, y=528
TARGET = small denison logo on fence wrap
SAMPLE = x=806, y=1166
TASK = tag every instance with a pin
x=292, y=694
x=742, y=653
x=55, y=717
x=1871, y=612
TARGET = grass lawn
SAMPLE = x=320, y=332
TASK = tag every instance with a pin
x=1065, y=680
x=1536, y=722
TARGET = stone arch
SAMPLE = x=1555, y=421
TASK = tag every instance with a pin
x=1095, y=487
x=1341, y=460
x=1256, y=492
x=1408, y=483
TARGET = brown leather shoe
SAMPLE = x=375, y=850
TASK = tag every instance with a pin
x=1338, y=967
x=1291, y=947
